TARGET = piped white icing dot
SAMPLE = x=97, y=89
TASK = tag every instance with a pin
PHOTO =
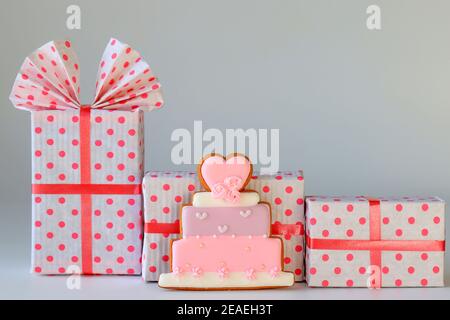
x=214, y=236
x=250, y=236
x=233, y=236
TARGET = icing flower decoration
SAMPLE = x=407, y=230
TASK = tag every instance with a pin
x=250, y=273
x=178, y=271
x=197, y=272
x=228, y=190
x=274, y=272
x=223, y=272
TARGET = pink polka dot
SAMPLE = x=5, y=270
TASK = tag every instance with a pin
x=50, y=118
x=337, y=221
x=49, y=212
x=399, y=232
x=131, y=155
x=130, y=226
x=75, y=166
x=97, y=213
x=50, y=235
x=349, y=257
x=288, y=212
x=97, y=166
x=325, y=257
x=109, y=225
x=325, y=208
x=298, y=271
x=385, y=220
x=130, y=248
x=62, y=177
x=74, y=235
x=349, y=233
x=110, y=154
x=424, y=232
x=424, y=256
x=298, y=248
x=97, y=259
x=312, y=221
x=131, y=132
x=398, y=282
x=325, y=283
x=74, y=259
x=75, y=119
x=109, y=201
x=152, y=269
x=350, y=208
x=362, y=270
x=436, y=220
x=385, y=270
x=38, y=199
x=74, y=142
x=399, y=207
x=424, y=282
x=121, y=143
x=120, y=236
x=109, y=248
x=289, y=189
x=37, y=224
x=121, y=120
x=300, y=201
x=37, y=246
x=337, y=270
x=50, y=142
x=153, y=245
x=436, y=269
x=362, y=220
x=349, y=283
x=411, y=270
x=61, y=224
x=120, y=260
x=398, y=257
x=425, y=207
x=38, y=269
x=109, y=177
x=38, y=130
x=278, y=201
x=38, y=176
x=110, y=131
x=325, y=233
x=131, y=202
x=120, y=213
x=411, y=220
x=191, y=187
x=313, y=271
x=109, y=271
x=166, y=210
x=97, y=236
x=62, y=200
x=50, y=258
x=178, y=199
x=98, y=119
x=61, y=247
x=98, y=143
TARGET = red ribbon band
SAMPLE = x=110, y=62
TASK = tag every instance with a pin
x=174, y=228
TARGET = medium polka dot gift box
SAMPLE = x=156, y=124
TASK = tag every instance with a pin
x=375, y=242
x=166, y=192
x=87, y=160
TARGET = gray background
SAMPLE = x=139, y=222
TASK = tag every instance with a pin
x=361, y=112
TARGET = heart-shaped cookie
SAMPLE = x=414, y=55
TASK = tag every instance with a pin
x=216, y=169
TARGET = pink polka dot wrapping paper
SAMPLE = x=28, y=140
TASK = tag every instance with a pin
x=375, y=242
x=166, y=192
x=87, y=160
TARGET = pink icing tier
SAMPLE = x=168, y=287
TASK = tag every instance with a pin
x=239, y=221
x=240, y=253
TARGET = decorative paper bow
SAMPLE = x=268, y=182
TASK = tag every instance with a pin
x=228, y=190
x=49, y=80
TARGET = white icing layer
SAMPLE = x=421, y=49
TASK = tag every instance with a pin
x=234, y=280
x=205, y=199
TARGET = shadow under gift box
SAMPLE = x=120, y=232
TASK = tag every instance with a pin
x=166, y=192
x=375, y=242
x=87, y=159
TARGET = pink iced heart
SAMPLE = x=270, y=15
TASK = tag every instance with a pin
x=216, y=171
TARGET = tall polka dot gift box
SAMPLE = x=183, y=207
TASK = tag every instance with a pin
x=375, y=242
x=166, y=192
x=87, y=160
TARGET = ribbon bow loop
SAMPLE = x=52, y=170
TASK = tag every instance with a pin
x=49, y=80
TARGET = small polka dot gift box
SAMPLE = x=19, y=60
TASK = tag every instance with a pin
x=375, y=242
x=87, y=160
x=166, y=192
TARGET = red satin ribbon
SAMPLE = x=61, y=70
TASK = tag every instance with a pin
x=85, y=189
x=375, y=245
x=174, y=228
